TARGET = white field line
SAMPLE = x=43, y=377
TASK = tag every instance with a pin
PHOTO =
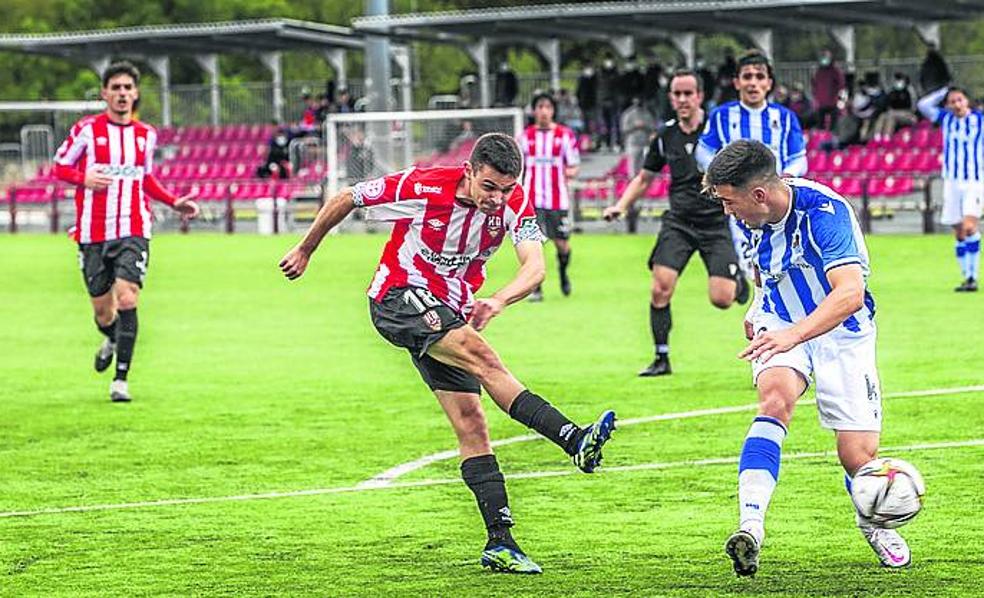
x=390, y=475
x=978, y=442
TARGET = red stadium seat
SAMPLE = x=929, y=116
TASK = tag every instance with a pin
x=818, y=160
x=846, y=186
x=928, y=163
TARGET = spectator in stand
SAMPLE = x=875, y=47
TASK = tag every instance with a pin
x=506, y=85
x=652, y=81
x=345, y=101
x=725, y=78
x=868, y=103
x=568, y=113
x=638, y=125
x=899, y=109
x=828, y=85
x=802, y=105
x=324, y=108
x=609, y=102
x=708, y=81
x=631, y=84
x=933, y=73
x=587, y=98
x=309, y=119
x=361, y=162
x=780, y=95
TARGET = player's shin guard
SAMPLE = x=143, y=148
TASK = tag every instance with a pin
x=660, y=322
x=758, y=472
x=535, y=413
x=109, y=330
x=972, y=263
x=482, y=476
x=126, y=338
x=961, y=252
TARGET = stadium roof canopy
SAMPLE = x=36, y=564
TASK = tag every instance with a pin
x=265, y=38
x=624, y=24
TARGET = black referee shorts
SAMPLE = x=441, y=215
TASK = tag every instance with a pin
x=679, y=239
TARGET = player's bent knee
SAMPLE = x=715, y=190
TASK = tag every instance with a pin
x=722, y=300
x=775, y=400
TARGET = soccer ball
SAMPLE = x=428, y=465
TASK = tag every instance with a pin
x=888, y=492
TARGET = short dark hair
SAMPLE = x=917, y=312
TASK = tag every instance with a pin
x=958, y=89
x=754, y=57
x=500, y=151
x=123, y=67
x=688, y=73
x=543, y=95
x=740, y=163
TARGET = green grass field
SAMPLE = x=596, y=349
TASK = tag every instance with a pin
x=246, y=384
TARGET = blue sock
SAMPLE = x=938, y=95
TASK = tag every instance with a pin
x=961, y=257
x=972, y=245
x=758, y=470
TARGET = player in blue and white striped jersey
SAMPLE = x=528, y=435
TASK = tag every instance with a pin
x=813, y=317
x=963, y=174
x=752, y=116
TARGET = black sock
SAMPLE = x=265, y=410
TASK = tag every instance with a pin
x=109, y=330
x=660, y=322
x=126, y=338
x=563, y=259
x=483, y=478
x=535, y=413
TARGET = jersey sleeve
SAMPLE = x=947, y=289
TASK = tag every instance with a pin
x=832, y=230
x=572, y=157
x=929, y=105
x=79, y=138
x=149, y=150
x=386, y=189
x=795, y=163
x=710, y=142
x=521, y=218
x=656, y=158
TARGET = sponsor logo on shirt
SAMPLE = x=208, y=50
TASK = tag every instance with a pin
x=435, y=223
x=141, y=143
x=101, y=141
x=443, y=260
x=827, y=207
x=123, y=171
x=420, y=188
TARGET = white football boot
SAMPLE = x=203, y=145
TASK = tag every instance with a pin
x=119, y=392
x=890, y=547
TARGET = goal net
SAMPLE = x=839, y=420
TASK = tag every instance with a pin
x=365, y=145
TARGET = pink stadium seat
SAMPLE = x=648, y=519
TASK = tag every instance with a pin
x=659, y=188
x=818, y=160
x=871, y=162
x=846, y=186
x=584, y=143
x=928, y=163
x=837, y=160
x=906, y=161
x=620, y=186
x=852, y=162
x=816, y=137
x=923, y=138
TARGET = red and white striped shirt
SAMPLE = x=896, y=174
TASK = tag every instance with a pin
x=547, y=153
x=126, y=153
x=438, y=242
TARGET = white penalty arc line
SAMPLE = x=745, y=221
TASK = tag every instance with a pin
x=388, y=477
x=977, y=442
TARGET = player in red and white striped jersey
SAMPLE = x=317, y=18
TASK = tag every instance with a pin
x=551, y=157
x=109, y=157
x=447, y=223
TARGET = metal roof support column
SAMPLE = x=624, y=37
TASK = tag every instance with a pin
x=686, y=43
x=762, y=38
x=210, y=64
x=844, y=34
x=272, y=61
x=99, y=65
x=161, y=65
x=930, y=33
x=624, y=45
x=336, y=59
x=480, y=54
x=401, y=56
x=550, y=49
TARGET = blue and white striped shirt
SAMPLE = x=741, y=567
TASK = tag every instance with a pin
x=820, y=232
x=774, y=125
x=963, y=142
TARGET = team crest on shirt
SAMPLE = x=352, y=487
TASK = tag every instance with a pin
x=494, y=225
x=373, y=189
x=689, y=147
x=433, y=320
x=775, y=124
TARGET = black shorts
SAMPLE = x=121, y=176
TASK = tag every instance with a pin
x=413, y=319
x=555, y=224
x=102, y=263
x=678, y=240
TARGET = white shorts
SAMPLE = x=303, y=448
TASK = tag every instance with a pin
x=961, y=199
x=842, y=365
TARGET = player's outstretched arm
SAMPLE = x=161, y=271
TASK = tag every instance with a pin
x=929, y=105
x=185, y=204
x=530, y=274
x=845, y=298
x=331, y=214
x=636, y=187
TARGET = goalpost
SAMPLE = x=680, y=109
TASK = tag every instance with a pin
x=364, y=145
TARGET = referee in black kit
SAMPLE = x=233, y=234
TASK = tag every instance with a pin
x=693, y=222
